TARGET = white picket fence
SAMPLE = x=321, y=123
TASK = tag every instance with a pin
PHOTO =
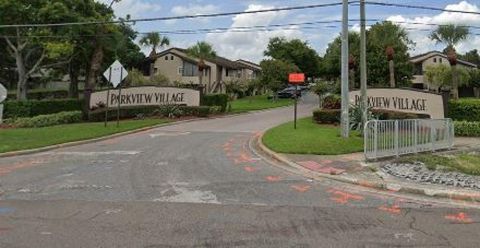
x=387, y=138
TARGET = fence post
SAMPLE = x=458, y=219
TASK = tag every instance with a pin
x=375, y=138
x=415, y=133
x=397, y=153
x=432, y=136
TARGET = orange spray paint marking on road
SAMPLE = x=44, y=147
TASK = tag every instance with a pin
x=394, y=209
x=249, y=169
x=273, y=178
x=460, y=217
x=301, y=188
x=344, y=197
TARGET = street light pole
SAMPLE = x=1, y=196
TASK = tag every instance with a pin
x=345, y=94
x=363, y=63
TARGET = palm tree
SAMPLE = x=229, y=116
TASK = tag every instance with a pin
x=155, y=40
x=451, y=35
x=388, y=35
x=201, y=51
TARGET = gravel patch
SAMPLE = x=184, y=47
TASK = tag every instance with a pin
x=418, y=172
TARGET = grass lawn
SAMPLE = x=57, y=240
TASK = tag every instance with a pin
x=251, y=103
x=28, y=138
x=468, y=163
x=311, y=138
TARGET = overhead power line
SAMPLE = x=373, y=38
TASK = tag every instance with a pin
x=258, y=28
x=409, y=6
x=314, y=6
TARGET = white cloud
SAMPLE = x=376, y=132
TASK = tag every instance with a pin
x=194, y=9
x=134, y=8
x=250, y=45
x=420, y=37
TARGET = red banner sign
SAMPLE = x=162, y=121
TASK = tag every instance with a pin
x=296, y=78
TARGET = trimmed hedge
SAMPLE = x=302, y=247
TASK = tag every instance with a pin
x=332, y=116
x=49, y=120
x=332, y=102
x=465, y=109
x=215, y=100
x=163, y=111
x=394, y=115
x=467, y=128
x=327, y=116
x=41, y=94
x=17, y=109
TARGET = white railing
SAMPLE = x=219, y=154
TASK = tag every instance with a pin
x=398, y=137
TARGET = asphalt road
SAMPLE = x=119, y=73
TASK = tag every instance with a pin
x=202, y=184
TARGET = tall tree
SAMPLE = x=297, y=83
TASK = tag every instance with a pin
x=201, y=51
x=472, y=56
x=155, y=41
x=450, y=35
x=275, y=74
x=386, y=36
x=331, y=63
x=296, y=52
x=378, y=65
x=30, y=53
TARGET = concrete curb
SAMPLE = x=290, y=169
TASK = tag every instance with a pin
x=87, y=141
x=385, y=186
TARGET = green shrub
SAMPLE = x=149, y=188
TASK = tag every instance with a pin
x=394, y=115
x=17, y=109
x=42, y=94
x=49, y=120
x=327, y=116
x=464, y=109
x=332, y=102
x=170, y=111
x=215, y=100
x=466, y=128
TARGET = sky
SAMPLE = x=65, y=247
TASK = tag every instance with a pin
x=250, y=45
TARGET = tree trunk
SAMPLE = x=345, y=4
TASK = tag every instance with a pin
x=454, y=82
x=352, y=80
x=22, y=78
x=73, y=88
x=90, y=81
x=476, y=92
x=200, y=81
x=391, y=66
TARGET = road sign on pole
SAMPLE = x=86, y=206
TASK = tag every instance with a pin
x=296, y=78
x=115, y=74
x=3, y=96
x=118, y=73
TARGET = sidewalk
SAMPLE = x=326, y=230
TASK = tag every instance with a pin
x=351, y=168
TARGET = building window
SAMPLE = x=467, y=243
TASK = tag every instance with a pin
x=226, y=72
x=166, y=57
x=189, y=69
x=418, y=69
x=180, y=70
x=155, y=70
x=434, y=60
x=440, y=60
x=171, y=57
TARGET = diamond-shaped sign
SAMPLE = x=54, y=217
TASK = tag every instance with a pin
x=3, y=93
x=118, y=73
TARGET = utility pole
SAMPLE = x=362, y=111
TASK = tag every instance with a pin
x=345, y=94
x=363, y=64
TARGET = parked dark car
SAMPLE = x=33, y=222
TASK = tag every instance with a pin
x=288, y=92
